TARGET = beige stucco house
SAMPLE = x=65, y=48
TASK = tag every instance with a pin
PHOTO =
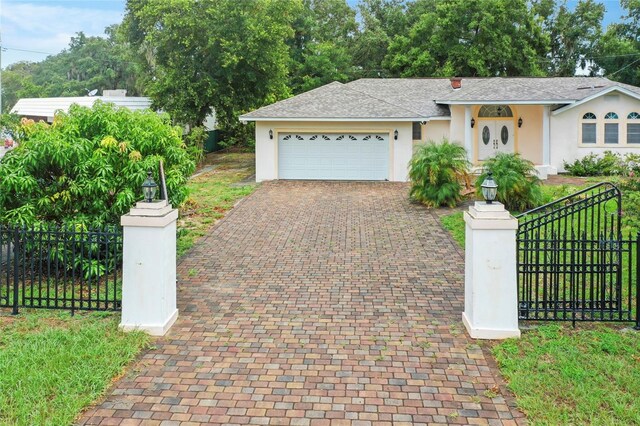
x=367, y=129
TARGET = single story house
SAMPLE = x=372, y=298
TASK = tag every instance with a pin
x=45, y=108
x=367, y=129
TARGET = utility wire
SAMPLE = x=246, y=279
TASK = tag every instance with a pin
x=626, y=66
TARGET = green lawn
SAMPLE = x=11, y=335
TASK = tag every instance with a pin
x=566, y=376
x=53, y=365
x=589, y=375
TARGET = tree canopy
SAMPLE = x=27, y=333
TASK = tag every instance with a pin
x=89, y=165
x=193, y=56
x=88, y=63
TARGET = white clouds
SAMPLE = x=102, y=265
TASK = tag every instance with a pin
x=48, y=28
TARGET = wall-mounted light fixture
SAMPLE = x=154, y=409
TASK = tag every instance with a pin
x=395, y=135
x=270, y=134
x=473, y=122
x=520, y=122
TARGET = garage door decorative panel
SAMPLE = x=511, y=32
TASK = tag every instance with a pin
x=333, y=156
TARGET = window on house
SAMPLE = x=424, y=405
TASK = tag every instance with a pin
x=589, y=129
x=588, y=132
x=633, y=129
x=417, y=131
x=611, y=129
x=495, y=111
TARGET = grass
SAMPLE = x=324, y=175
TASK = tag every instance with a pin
x=565, y=376
x=212, y=194
x=561, y=375
x=53, y=365
x=454, y=223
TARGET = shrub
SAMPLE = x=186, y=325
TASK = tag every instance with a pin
x=610, y=164
x=195, y=143
x=88, y=166
x=518, y=185
x=437, y=172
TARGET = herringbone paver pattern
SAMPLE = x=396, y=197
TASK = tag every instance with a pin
x=316, y=303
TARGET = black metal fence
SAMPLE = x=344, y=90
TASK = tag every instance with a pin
x=573, y=262
x=74, y=267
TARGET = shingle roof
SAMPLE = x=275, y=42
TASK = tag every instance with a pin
x=334, y=100
x=415, y=98
x=46, y=107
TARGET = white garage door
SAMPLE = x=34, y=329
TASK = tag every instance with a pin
x=333, y=156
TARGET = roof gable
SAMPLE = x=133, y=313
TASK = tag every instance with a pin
x=632, y=93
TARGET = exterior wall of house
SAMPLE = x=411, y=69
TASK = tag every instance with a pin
x=566, y=129
x=267, y=149
x=435, y=130
x=456, y=132
x=529, y=136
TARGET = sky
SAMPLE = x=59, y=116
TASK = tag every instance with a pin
x=33, y=29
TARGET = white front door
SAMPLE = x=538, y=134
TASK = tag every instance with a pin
x=495, y=136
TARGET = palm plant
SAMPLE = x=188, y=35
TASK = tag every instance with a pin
x=518, y=183
x=437, y=172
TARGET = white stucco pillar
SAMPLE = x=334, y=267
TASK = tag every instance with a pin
x=149, y=268
x=490, y=288
x=546, y=137
x=468, y=139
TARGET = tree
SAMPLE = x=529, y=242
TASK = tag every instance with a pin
x=381, y=20
x=618, y=51
x=320, y=47
x=17, y=82
x=227, y=55
x=88, y=63
x=573, y=34
x=470, y=38
x=88, y=166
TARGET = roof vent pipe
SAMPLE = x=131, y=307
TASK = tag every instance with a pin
x=456, y=82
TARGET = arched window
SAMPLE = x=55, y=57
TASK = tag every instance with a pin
x=611, y=129
x=589, y=128
x=495, y=111
x=633, y=129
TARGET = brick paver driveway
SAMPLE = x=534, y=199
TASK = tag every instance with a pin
x=316, y=303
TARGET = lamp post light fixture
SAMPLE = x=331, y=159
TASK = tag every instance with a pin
x=489, y=188
x=473, y=122
x=149, y=188
x=519, y=122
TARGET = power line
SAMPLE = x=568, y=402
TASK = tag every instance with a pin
x=626, y=66
x=26, y=50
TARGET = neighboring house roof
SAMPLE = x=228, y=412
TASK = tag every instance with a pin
x=47, y=107
x=404, y=99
